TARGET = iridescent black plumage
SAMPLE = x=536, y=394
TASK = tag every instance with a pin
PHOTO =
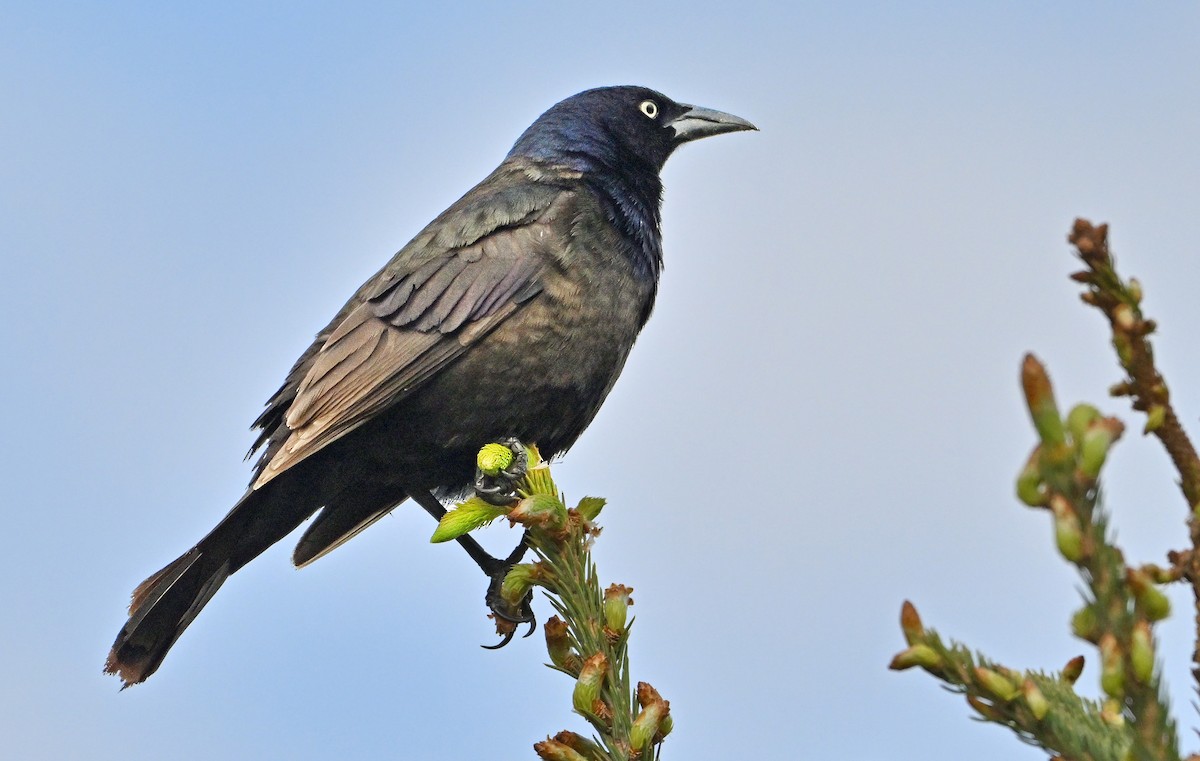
x=511, y=314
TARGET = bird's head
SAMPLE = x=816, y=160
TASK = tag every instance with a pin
x=619, y=126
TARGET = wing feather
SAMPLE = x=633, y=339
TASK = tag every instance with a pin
x=417, y=315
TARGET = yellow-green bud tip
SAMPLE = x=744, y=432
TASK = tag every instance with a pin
x=1141, y=652
x=996, y=684
x=1038, y=705
x=493, y=458
x=917, y=655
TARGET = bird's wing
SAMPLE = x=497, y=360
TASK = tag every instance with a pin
x=472, y=268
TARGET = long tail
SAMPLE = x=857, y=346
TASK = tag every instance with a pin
x=161, y=608
x=164, y=604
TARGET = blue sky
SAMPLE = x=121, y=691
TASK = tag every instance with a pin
x=188, y=193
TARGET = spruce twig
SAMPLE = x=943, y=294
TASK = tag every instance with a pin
x=588, y=639
x=1120, y=301
x=1122, y=603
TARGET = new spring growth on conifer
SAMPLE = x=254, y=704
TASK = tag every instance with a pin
x=520, y=580
x=1085, y=625
x=995, y=684
x=1112, y=667
x=581, y=745
x=1035, y=699
x=1155, y=417
x=553, y=750
x=1079, y=418
x=1112, y=713
x=1095, y=443
x=616, y=606
x=558, y=645
x=465, y=518
x=655, y=710
x=587, y=687
x=647, y=724
x=543, y=511
x=910, y=623
x=1039, y=396
x=1151, y=602
x=1068, y=532
x=493, y=458
x=1031, y=489
x=1073, y=670
x=1141, y=652
x=916, y=655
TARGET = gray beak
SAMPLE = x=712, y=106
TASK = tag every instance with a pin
x=698, y=122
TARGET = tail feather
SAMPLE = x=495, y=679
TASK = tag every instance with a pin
x=342, y=520
x=163, y=605
x=161, y=608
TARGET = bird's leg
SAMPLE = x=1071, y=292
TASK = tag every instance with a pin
x=507, y=616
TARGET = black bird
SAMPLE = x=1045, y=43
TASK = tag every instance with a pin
x=511, y=314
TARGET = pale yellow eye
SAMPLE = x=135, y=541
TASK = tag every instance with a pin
x=649, y=108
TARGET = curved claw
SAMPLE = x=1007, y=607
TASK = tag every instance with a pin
x=528, y=634
x=507, y=638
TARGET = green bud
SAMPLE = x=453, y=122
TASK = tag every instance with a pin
x=552, y=750
x=1084, y=624
x=996, y=685
x=1073, y=670
x=910, y=623
x=1031, y=489
x=581, y=745
x=646, y=725
x=1039, y=396
x=1112, y=667
x=493, y=458
x=465, y=518
x=1111, y=713
x=1068, y=533
x=587, y=686
x=1154, y=604
x=1155, y=417
x=1141, y=652
x=558, y=642
x=666, y=726
x=917, y=655
x=1079, y=418
x=1038, y=705
x=519, y=580
x=1093, y=449
x=542, y=510
x=590, y=507
x=616, y=606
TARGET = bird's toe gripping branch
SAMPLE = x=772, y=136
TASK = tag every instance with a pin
x=507, y=615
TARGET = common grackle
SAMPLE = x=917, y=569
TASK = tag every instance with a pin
x=511, y=314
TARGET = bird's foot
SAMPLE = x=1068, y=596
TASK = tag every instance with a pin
x=499, y=487
x=508, y=617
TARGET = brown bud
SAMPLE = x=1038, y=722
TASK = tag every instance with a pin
x=910, y=623
x=1073, y=670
